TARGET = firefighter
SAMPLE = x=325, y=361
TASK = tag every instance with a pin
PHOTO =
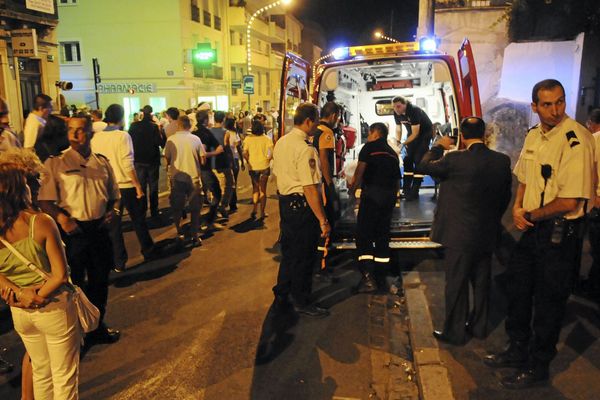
x=417, y=142
x=377, y=175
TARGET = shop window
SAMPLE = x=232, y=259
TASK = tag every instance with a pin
x=70, y=52
x=158, y=104
x=67, y=2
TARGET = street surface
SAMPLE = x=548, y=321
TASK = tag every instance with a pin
x=197, y=325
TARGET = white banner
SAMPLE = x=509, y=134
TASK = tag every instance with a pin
x=45, y=6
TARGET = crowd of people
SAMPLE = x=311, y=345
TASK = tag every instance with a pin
x=75, y=176
x=62, y=197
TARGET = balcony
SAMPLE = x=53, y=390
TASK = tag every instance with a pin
x=238, y=20
x=277, y=33
x=237, y=56
x=215, y=72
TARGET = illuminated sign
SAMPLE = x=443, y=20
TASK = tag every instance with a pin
x=24, y=42
x=203, y=56
x=45, y=6
x=126, y=88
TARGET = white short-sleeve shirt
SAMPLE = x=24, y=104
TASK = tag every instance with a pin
x=295, y=163
x=82, y=187
x=568, y=149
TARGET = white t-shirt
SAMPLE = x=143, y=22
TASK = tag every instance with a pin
x=116, y=145
x=34, y=126
x=183, y=152
x=99, y=126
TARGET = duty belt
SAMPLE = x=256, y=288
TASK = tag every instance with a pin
x=294, y=201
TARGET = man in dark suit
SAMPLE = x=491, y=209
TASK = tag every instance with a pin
x=474, y=193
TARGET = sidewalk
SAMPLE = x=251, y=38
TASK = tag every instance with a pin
x=447, y=372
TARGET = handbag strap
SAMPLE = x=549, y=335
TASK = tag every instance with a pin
x=24, y=259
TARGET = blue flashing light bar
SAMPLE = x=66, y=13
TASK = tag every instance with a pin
x=341, y=53
x=428, y=44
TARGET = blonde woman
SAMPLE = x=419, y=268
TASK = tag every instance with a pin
x=258, y=151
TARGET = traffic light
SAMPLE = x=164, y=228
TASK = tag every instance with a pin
x=203, y=57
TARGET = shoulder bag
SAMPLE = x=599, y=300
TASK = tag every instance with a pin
x=87, y=312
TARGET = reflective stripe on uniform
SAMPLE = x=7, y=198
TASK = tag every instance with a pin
x=365, y=257
x=419, y=176
x=408, y=173
x=381, y=259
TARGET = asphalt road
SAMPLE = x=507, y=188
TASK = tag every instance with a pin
x=198, y=325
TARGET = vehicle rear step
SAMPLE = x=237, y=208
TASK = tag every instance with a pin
x=412, y=243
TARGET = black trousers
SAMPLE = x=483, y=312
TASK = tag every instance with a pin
x=373, y=224
x=134, y=208
x=236, y=171
x=414, y=153
x=299, y=239
x=148, y=176
x=540, y=280
x=90, y=255
x=464, y=268
x=594, y=235
x=210, y=184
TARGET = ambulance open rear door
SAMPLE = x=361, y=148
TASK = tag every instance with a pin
x=294, y=90
x=471, y=103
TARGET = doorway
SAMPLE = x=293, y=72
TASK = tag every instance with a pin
x=30, y=79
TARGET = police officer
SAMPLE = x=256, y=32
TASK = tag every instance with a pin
x=377, y=174
x=555, y=173
x=296, y=166
x=79, y=191
x=417, y=142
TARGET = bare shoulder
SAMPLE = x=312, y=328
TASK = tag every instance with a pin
x=44, y=223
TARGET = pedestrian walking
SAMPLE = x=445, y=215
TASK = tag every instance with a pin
x=212, y=148
x=43, y=311
x=184, y=154
x=296, y=166
x=116, y=145
x=222, y=164
x=235, y=148
x=377, y=175
x=258, y=152
x=475, y=189
x=555, y=173
x=147, y=139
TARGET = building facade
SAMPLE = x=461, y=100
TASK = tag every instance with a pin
x=145, y=52
x=272, y=35
x=28, y=54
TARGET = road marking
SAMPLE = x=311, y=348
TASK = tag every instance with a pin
x=167, y=381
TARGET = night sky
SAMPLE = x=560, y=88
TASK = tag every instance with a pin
x=352, y=22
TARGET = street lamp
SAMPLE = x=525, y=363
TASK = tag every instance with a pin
x=249, y=28
x=380, y=35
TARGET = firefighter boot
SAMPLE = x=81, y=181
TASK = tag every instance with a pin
x=367, y=283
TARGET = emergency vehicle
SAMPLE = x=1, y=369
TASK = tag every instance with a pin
x=364, y=80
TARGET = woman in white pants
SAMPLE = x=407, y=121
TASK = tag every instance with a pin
x=43, y=311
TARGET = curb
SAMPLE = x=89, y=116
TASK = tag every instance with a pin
x=432, y=374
